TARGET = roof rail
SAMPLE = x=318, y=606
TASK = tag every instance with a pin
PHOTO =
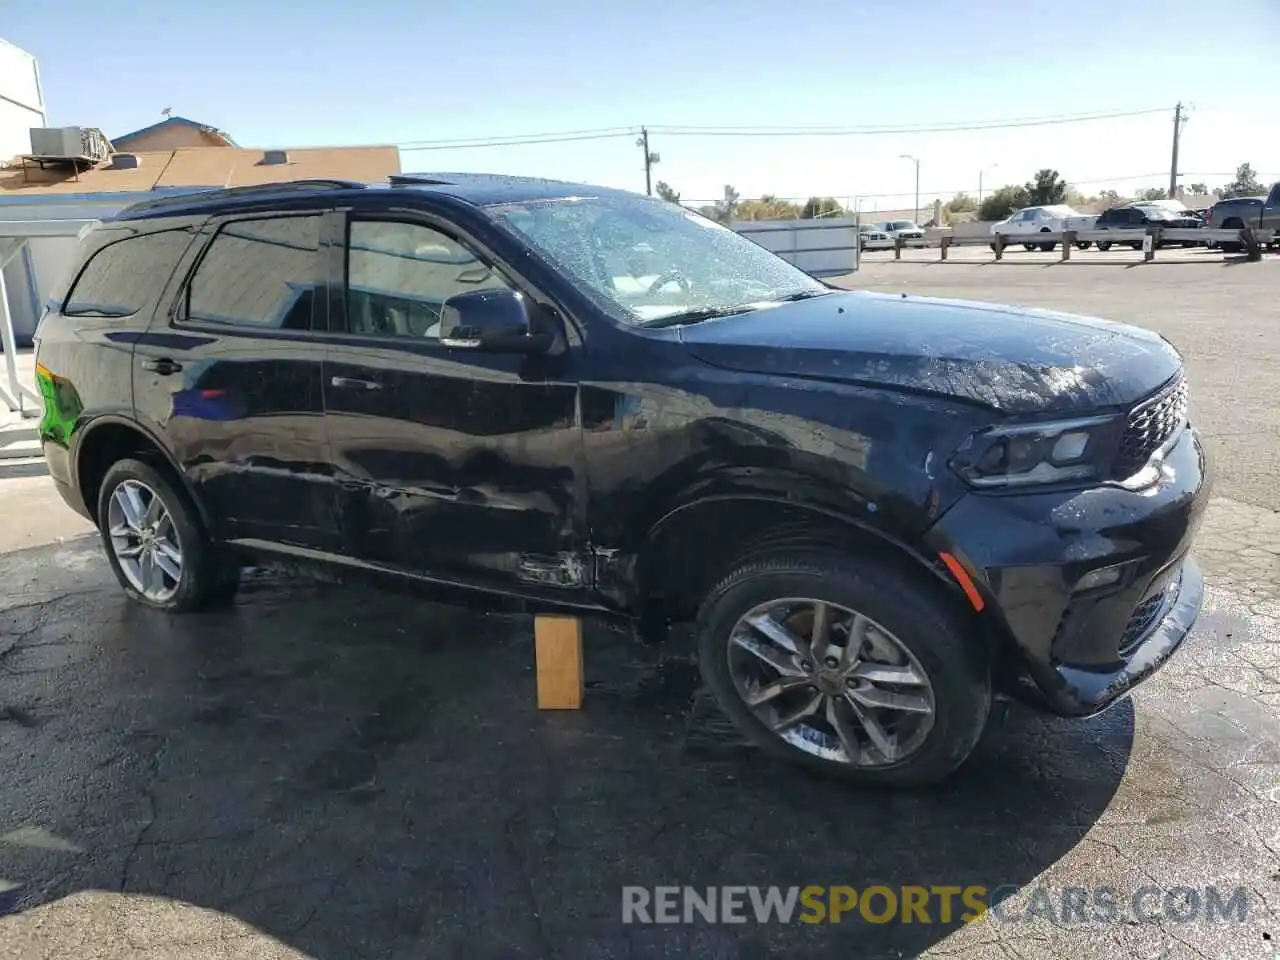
x=230, y=193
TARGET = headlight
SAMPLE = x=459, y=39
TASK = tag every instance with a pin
x=1036, y=453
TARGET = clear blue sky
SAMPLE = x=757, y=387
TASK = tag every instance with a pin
x=297, y=74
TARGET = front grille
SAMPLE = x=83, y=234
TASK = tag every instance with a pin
x=1150, y=426
x=1144, y=617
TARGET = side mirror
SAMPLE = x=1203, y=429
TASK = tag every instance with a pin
x=493, y=321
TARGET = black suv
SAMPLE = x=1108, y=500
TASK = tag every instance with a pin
x=1139, y=218
x=879, y=511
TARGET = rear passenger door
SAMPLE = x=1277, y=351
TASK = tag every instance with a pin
x=229, y=376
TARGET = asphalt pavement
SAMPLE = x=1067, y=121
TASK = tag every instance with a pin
x=355, y=774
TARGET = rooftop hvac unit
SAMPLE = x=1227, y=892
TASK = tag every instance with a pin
x=70, y=143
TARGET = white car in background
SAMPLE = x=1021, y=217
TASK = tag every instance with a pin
x=1052, y=218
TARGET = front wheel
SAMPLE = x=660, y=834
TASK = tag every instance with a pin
x=155, y=543
x=835, y=663
x=1104, y=245
x=1083, y=244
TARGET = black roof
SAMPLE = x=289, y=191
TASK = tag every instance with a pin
x=480, y=189
x=486, y=188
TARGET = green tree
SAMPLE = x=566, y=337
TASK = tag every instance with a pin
x=1153, y=193
x=768, y=207
x=960, y=203
x=816, y=207
x=1199, y=189
x=666, y=193
x=1046, y=188
x=1244, y=185
x=1004, y=202
x=1107, y=199
x=726, y=208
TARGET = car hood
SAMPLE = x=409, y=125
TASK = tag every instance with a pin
x=1015, y=360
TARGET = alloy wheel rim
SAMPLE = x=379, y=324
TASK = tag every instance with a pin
x=831, y=682
x=144, y=540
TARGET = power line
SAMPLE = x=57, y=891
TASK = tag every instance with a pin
x=944, y=127
x=519, y=139
x=606, y=133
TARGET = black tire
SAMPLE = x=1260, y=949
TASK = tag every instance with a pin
x=1083, y=244
x=1028, y=246
x=954, y=662
x=1135, y=245
x=209, y=578
x=1104, y=245
x=1048, y=247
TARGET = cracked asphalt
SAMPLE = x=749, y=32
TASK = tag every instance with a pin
x=340, y=773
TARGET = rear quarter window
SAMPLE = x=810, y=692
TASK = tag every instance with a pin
x=124, y=276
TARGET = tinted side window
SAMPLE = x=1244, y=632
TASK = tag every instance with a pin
x=399, y=275
x=258, y=273
x=126, y=275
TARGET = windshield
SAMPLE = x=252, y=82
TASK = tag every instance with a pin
x=643, y=260
x=902, y=225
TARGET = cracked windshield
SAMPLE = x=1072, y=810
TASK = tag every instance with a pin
x=655, y=264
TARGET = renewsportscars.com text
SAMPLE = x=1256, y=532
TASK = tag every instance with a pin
x=932, y=904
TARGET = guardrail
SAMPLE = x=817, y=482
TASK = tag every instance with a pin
x=1251, y=242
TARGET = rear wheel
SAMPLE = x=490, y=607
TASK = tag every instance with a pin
x=155, y=544
x=834, y=663
x=1104, y=245
x=1028, y=246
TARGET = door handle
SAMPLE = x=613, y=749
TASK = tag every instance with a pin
x=351, y=383
x=161, y=365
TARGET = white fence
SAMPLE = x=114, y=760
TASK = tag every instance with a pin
x=825, y=247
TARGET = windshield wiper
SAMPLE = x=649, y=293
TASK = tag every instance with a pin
x=714, y=313
x=697, y=316
x=804, y=295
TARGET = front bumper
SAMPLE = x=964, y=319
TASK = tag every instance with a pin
x=1078, y=649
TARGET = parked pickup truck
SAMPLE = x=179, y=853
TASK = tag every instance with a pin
x=1262, y=213
x=1053, y=218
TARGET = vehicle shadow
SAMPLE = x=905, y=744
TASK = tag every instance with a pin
x=359, y=774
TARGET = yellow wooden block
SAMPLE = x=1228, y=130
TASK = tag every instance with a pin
x=558, y=661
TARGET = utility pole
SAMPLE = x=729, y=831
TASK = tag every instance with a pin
x=980, y=172
x=649, y=160
x=1173, y=166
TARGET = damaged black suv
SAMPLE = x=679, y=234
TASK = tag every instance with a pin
x=879, y=511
